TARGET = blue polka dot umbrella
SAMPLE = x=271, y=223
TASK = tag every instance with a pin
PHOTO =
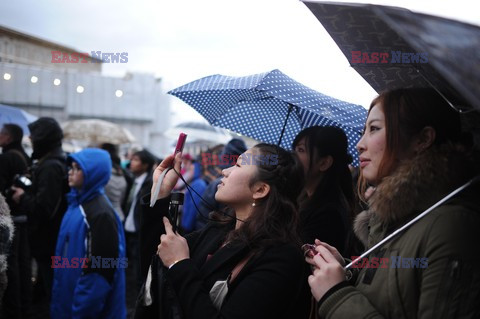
x=270, y=107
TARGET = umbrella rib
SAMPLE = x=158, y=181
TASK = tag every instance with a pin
x=290, y=107
x=459, y=110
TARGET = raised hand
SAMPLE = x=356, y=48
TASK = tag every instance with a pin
x=170, y=178
x=173, y=247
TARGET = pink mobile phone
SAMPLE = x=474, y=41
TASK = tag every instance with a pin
x=179, y=148
x=180, y=143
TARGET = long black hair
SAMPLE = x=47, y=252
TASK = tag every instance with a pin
x=336, y=184
x=274, y=218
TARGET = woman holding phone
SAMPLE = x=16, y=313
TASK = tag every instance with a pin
x=412, y=154
x=254, y=247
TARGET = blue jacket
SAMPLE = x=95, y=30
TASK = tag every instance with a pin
x=93, y=288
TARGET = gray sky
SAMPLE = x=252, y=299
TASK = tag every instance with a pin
x=182, y=40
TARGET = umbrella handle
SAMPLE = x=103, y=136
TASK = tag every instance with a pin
x=290, y=107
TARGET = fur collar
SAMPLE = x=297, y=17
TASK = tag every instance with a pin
x=5, y=218
x=415, y=185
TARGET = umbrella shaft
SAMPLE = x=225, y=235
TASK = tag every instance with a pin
x=290, y=107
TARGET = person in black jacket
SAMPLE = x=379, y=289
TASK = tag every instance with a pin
x=14, y=163
x=141, y=164
x=326, y=204
x=258, y=242
x=327, y=201
x=45, y=200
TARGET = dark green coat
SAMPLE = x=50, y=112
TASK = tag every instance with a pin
x=446, y=281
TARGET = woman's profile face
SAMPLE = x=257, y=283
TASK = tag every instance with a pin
x=303, y=155
x=234, y=189
x=372, y=144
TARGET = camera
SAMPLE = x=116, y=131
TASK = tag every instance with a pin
x=20, y=181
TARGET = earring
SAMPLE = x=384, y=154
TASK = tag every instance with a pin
x=253, y=204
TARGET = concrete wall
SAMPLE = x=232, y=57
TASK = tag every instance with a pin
x=144, y=107
x=19, y=48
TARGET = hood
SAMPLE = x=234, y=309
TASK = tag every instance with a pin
x=46, y=135
x=96, y=167
x=415, y=185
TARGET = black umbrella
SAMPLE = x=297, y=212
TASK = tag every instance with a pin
x=394, y=47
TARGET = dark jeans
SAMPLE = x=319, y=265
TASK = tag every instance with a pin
x=133, y=275
x=18, y=295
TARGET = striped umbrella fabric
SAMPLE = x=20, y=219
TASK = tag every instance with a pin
x=258, y=106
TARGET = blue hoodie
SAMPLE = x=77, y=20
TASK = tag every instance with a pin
x=90, y=229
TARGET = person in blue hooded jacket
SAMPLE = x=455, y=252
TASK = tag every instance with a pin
x=89, y=279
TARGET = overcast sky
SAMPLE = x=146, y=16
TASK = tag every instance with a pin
x=182, y=40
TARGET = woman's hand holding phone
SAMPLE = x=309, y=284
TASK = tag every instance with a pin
x=171, y=175
x=173, y=247
x=170, y=178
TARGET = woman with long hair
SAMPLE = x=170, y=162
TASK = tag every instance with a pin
x=412, y=154
x=255, y=248
x=327, y=201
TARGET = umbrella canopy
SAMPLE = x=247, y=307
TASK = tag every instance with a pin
x=199, y=132
x=423, y=50
x=270, y=107
x=96, y=131
x=14, y=115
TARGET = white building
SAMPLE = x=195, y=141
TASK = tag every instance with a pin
x=69, y=91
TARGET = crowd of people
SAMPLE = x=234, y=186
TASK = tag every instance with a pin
x=266, y=238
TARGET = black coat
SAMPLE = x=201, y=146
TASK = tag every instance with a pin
x=145, y=189
x=11, y=164
x=13, y=161
x=151, y=228
x=46, y=203
x=326, y=224
x=267, y=287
